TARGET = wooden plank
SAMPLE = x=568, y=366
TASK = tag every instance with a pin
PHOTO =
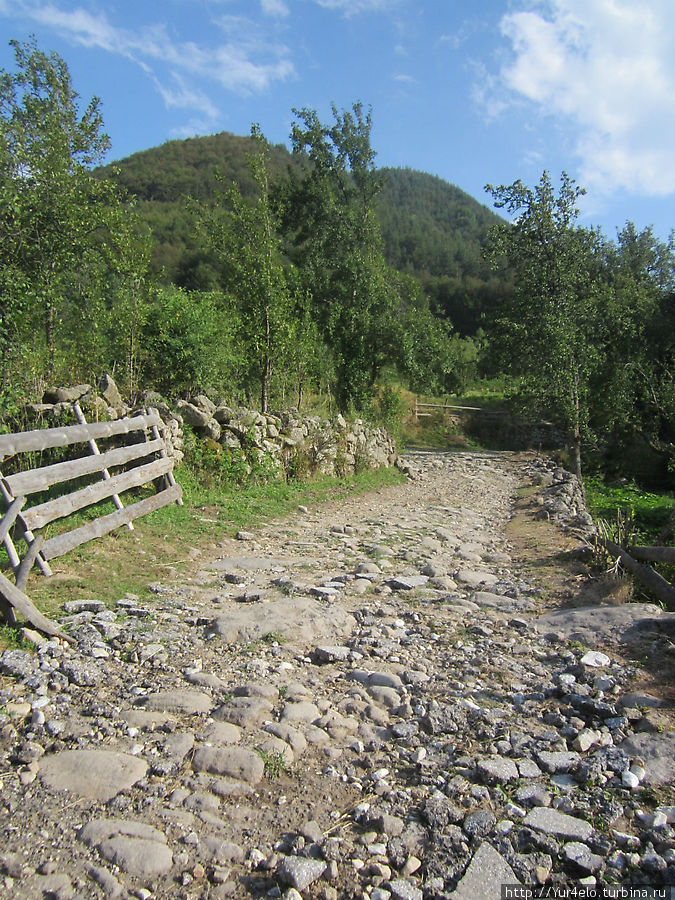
x=34, y=480
x=39, y=516
x=57, y=546
x=20, y=602
x=93, y=446
x=13, y=511
x=44, y=438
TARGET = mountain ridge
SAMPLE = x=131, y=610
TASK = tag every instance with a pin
x=431, y=229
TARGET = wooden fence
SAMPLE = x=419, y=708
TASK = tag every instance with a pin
x=140, y=462
x=428, y=409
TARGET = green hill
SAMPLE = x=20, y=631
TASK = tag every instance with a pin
x=431, y=229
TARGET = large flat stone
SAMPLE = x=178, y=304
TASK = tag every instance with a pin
x=486, y=874
x=299, y=619
x=657, y=751
x=135, y=847
x=187, y=702
x=232, y=762
x=95, y=774
x=550, y=821
x=599, y=625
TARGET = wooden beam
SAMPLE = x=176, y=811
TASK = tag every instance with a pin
x=28, y=535
x=13, y=511
x=34, y=480
x=44, y=438
x=93, y=446
x=654, y=554
x=644, y=574
x=27, y=562
x=20, y=602
x=39, y=516
x=63, y=543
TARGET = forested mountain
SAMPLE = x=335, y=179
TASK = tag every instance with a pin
x=430, y=228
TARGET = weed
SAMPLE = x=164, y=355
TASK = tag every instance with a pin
x=12, y=638
x=274, y=763
x=274, y=637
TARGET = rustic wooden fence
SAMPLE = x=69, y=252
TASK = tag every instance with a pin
x=140, y=462
x=422, y=410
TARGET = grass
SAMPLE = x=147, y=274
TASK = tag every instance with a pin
x=160, y=545
x=650, y=512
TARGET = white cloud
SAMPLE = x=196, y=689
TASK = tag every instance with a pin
x=274, y=8
x=352, y=7
x=243, y=63
x=605, y=68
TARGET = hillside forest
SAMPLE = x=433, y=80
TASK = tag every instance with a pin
x=227, y=265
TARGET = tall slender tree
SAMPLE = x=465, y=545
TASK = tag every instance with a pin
x=548, y=332
x=51, y=203
x=332, y=227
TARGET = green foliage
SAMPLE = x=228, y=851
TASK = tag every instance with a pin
x=331, y=225
x=548, y=333
x=190, y=342
x=649, y=512
x=215, y=466
x=244, y=236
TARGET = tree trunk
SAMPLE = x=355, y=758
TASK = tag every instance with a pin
x=49, y=338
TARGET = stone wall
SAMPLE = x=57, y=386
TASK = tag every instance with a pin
x=293, y=441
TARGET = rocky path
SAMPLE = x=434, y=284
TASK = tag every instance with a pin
x=364, y=701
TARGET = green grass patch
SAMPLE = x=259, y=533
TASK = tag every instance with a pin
x=649, y=511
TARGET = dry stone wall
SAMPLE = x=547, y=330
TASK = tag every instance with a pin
x=305, y=443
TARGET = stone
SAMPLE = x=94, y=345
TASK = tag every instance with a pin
x=407, y=583
x=657, y=751
x=110, y=393
x=302, y=711
x=233, y=762
x=221, y=733
x=484, y=877
x=550, y=821
x=334, y=654
x=595, y=659
x=83, y=672
x=95, y=774
x=404, y=890
x=497, y=770
x=299, y=872
x=581, y=855
x=475, y=578
x=600, y=625
x=557, y=762
x=186, y=702
x=479, y=823
x=215, y=850
x=135, y=847
x=244, y=712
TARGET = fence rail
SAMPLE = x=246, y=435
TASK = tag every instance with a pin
x=425, y=409
x=144, y=461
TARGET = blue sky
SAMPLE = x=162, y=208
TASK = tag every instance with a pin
x=475, y=91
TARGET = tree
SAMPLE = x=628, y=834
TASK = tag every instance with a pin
x=244, y=235
x=51, y=204
x=336, y=243
x=548, y=335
